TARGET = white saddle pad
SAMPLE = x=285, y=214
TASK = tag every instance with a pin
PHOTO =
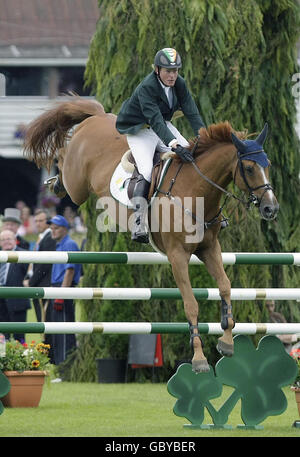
x=118, y=185
x=120, y=180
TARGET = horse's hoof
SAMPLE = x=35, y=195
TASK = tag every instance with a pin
x=225, y=349
x=200, y=366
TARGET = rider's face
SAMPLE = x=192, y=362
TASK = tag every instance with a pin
x=168, y=76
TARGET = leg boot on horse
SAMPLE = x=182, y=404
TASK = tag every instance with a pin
x=140, y=207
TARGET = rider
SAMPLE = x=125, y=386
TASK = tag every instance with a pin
x=146, y=120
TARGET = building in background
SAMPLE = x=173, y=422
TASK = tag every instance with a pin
x=44, y=47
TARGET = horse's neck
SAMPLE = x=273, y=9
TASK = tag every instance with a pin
x=217, y=164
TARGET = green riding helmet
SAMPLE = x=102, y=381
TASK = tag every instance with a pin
x=167, y=58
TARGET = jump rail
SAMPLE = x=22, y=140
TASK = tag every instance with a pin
x=144, y=258
x=90, y=293
x=210, y=328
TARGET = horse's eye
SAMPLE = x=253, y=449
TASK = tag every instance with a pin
x=249, y=170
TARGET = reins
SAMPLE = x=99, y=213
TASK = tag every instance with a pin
x=252, y=199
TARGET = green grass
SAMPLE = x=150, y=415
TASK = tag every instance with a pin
x=125, y=410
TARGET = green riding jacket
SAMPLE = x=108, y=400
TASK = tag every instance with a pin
x=149, y=105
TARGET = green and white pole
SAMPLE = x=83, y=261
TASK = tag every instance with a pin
x=143, y=258
x=107, y=293
x=212, y=328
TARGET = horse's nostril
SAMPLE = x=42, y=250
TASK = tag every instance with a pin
x=269, y=212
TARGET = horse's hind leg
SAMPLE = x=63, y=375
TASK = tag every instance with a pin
x=212, y=258
x=179, y=260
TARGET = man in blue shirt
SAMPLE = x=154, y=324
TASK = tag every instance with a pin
x=63, y=275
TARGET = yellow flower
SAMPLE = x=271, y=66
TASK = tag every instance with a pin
x=35, y=363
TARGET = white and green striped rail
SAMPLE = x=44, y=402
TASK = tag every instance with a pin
x=212, y=328
x=90, y=293
x=143, y=258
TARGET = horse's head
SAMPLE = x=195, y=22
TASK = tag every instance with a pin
x=252, y=173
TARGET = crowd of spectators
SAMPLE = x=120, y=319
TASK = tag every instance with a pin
x=40, y=231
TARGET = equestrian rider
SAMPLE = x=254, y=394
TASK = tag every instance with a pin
x=146, y=120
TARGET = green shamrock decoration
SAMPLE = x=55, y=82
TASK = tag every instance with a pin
x=194, y=392
x=257, y=376
x=4, y=389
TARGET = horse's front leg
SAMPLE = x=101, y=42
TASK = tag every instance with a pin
x=212, y=258
x=180, y=264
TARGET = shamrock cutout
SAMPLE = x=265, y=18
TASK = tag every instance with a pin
x=193, y=392
x=4, y=389
x=257, y=376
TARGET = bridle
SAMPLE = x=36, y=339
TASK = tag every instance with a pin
x=267, y=186
x=252, y=198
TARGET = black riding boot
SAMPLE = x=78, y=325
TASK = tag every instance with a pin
x=140, y=208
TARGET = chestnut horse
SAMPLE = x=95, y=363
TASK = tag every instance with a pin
x=88, y=156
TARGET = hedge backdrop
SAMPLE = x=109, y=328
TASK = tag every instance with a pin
x=238, y=61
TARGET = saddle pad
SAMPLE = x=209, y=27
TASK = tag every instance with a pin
x=120, y=180
x=118, y=185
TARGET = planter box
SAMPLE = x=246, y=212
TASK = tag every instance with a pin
x=297, y=396
x=26, y=389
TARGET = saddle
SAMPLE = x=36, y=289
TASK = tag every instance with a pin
x=128, y=163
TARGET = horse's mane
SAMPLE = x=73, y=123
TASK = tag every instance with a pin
x=214, y=134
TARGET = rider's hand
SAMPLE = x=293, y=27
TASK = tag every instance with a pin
x=184, y=153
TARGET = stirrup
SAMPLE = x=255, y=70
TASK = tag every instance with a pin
x=51, y=180
x=140, y=237
x=225, y=315
x=194, y=335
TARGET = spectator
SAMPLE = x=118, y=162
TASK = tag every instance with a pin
x=12, y=275
x=63, y=275
x=12, y=221
x=40, y=274
x=20, y=132
x=275, y=317
x=28, y=226
x=75, y=221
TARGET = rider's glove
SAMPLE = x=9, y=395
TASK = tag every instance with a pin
x=184, y=154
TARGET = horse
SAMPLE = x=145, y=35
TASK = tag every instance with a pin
x=88, y=156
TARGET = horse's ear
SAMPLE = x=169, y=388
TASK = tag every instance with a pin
x=238, y=143
x=263, y=135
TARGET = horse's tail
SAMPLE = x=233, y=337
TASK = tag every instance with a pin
x=48, y=132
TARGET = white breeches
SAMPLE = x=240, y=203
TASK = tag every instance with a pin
x=144, y=144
